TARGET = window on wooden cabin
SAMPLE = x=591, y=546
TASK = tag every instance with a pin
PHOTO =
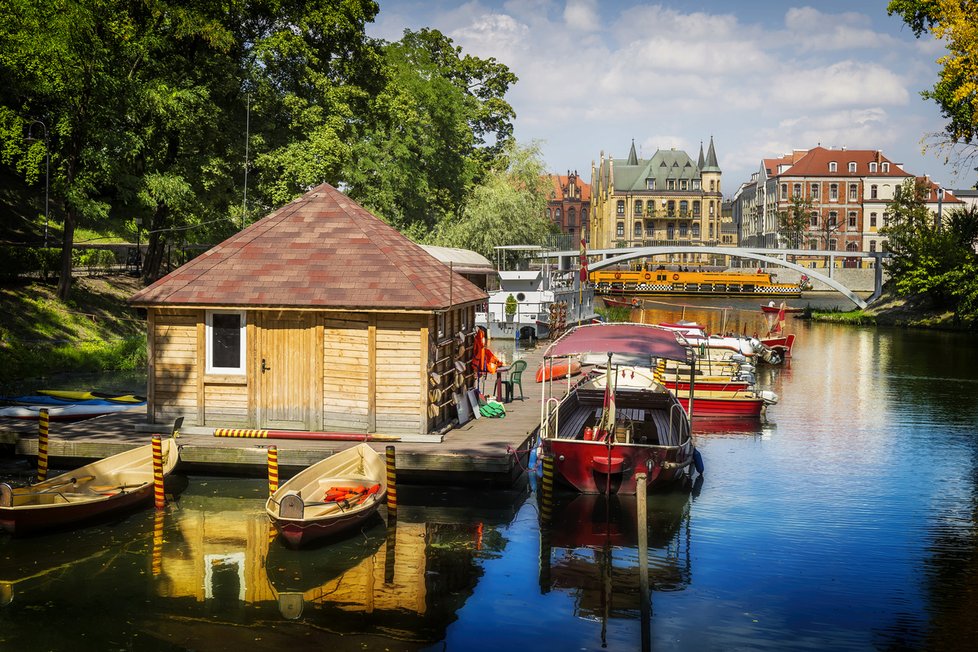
x=225, y=342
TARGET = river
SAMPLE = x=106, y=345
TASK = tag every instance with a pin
x=845, y=520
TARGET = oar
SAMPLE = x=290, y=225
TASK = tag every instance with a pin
x=120, y=487
x=47, y=488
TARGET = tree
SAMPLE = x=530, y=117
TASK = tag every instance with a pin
x=956, y=91
x=507, y=208
x=928, y=258
x=794, y=222
x=433, y=131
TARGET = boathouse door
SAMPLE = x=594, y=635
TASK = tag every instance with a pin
x=286, y=370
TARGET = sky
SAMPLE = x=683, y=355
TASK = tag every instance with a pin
x=760, y=77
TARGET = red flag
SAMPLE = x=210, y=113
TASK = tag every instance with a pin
x=583, y=261
x=779, y=323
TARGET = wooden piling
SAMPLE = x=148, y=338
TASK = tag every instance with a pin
x=272, y=469
x=643, y=560
x=158, y=494
x=42, y=445
x=391, y=484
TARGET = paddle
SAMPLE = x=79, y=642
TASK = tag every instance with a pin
x=84, y=478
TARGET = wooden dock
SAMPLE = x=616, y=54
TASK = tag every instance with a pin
x=485, y=452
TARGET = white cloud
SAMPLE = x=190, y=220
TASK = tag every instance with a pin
x=581, y=15
x=811, y=30
x=844, y=83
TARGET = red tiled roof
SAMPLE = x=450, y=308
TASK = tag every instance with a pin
x=321, y=250
x=816, y=164
x=560, y=181
x=932, y=197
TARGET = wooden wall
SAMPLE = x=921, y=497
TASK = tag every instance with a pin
x=374, y=372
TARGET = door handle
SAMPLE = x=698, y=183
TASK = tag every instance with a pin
x=264, y=367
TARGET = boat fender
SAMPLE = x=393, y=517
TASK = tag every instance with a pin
x=617, y=274
x=698, y=461
x=589, y=434
x=675, y=277
x=647, y=276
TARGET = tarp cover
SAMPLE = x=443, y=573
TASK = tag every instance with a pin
x=638, y=340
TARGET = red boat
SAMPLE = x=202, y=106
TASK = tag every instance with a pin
x=555, y=369
x=623, y=302
x=726, y=404
x=773, y=310
x=599, y=438
x=330, y=497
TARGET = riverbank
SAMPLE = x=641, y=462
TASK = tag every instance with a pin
x=916, y=311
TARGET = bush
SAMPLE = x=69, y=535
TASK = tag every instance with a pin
x=18, y=261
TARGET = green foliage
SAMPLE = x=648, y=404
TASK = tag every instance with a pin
x=794, y=222
x=931, y=258
x=511, y=305
x=506, y=209
x=615, y=313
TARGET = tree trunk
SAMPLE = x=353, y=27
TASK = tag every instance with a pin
x=67, y=245
x=156, y=245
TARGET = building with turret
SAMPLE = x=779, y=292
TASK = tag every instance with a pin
x=668, y=199
x=569, y=204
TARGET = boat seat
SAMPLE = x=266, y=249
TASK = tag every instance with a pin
x=574, y=426
x=291, y=506
x=661, y=421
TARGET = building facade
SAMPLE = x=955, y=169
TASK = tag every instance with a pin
x=845, y=193
x=666, y=199
x=569, y=205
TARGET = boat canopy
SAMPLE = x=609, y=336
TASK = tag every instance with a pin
x=638, y=341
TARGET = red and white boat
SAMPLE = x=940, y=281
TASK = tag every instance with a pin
x=601, y=434
x=772, y=309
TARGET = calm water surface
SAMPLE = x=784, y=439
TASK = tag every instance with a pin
x=845, y=520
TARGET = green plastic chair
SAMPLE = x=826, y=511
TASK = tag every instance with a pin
x=516, y=377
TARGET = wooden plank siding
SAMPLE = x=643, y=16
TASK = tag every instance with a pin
x=398, y=360
x=346, y=375
x=174, y=367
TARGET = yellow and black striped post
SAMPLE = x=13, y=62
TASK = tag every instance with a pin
x=158, y=494
x=241, y=432
x=272, y=469
x=391, y=484
x=547, y=489
x=157, y=564
x=390, y=554
x=42, y=445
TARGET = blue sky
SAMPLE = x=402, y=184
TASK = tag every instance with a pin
x=762, y=78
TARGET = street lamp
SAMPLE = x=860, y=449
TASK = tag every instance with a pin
x=47, y=172
x=940, y=207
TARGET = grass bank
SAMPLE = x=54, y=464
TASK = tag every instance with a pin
x=95, y=330
x=893, y=310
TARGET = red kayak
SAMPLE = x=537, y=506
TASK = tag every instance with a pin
x=552, y=370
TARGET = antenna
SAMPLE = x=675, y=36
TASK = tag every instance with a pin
x=244, y=202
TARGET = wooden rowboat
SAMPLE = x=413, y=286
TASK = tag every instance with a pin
x=329, y=497
x=109, y=485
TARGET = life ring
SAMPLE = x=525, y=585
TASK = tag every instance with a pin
x=675, y=277
x=647, y=276
x=617, y=274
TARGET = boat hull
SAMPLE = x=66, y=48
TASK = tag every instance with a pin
x=302, y=534
x=723, y=407
x=63, y=516
x=593, y=467
x=558, y=370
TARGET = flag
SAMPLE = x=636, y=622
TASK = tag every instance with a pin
x=583, y=262
x=779, y=323
x=608, y=414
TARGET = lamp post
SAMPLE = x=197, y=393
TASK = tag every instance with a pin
x=47, y=173
x=940, y=207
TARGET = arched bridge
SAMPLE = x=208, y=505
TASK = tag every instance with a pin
x=770, y=256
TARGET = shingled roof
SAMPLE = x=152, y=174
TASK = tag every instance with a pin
x=322, y=250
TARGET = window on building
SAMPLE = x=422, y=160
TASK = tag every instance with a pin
x=874, y=191
x=711, y=231
x=833, y=218
x=571, y=216
x=832, y=244
x=813, y=244
x=696, y=208
x=637, y=230
x=872, y=246
x=712, y=209
x=713, y=185
x=620, y=230
x=650, y=184
x=815, y=187
x=684, y=184
x=796, y=190
x=671, y=208
x=670, y=184
x=833, y=166
x=784, y=191
x=696, y=230
x=852, y=246
x=620, y=207
x=852, y=166
x=852, y=219
x=649, y=230
x=558, y=215
x=696, y=184
x=886, y=167
x=670, y=231
x=638, y=207
x=814, y=218
x=853, y=192
x=683, y=208
x=872, y=219
x=684, y=229
x=872, y=166
x=833, y=192
x=225, y=342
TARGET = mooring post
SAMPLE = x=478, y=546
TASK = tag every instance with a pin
x=547, y=489
x=643, y=559
x=391, y=484
x=272, y=469
x=157, y=560
x=42, y=445
x=158, y=495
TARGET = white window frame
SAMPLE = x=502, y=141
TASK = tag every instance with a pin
x=852, y=166
x=209, y=339
x=833, y=166
x=886, y=167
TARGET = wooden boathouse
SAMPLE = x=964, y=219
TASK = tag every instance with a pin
x=318, y=317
